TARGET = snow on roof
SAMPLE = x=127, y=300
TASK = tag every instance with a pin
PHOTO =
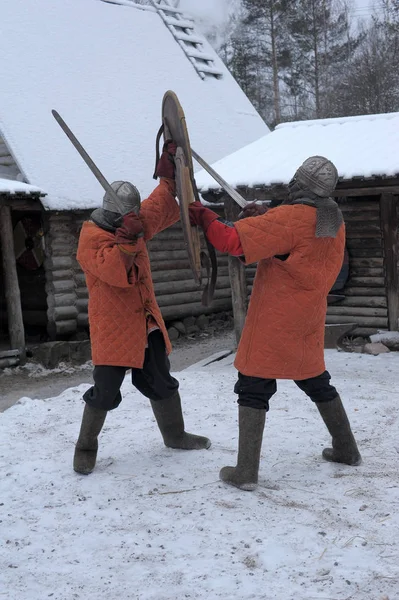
x=105, y=68
x=8, y=186
x=364, y=146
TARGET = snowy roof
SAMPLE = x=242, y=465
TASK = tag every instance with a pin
x=364, y=146
x=105, y=67
x=17, y=187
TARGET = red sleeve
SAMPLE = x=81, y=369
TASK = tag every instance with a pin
x=224, y=238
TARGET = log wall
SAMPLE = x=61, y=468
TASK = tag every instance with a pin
x=61, y=269
x=365, y=291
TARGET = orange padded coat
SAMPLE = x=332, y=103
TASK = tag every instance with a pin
x=283, y=336
x=119, y=306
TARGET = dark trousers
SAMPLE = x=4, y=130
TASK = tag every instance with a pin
x=154, y=380
x=256, y=392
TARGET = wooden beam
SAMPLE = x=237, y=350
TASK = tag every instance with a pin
x=21, y=202
x=389, y=225
x=11, y=285
x=237, y=274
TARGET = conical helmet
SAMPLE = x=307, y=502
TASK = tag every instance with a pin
x=128, y=195
x=317, y=174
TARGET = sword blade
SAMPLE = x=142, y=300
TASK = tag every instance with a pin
x=227, y=188
x=89, y=162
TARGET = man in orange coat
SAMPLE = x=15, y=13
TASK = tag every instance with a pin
x=126, y=326
x=299, y=247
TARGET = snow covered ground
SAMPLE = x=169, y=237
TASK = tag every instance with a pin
x=154, y=523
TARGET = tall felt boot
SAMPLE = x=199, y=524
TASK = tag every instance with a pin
x=251, y=422
x=344, y=448
x=169, y=417
x=86, y=447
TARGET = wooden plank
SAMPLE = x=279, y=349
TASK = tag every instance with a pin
x=7, y=353
x=365, y=262
x=389, y=225
x=366, y=301
x=378, y=322
x=366, y=282
x=238, y=284
x=356, y=311
x=11, y=285
x=368, y=243
x=366, y=271
x=365, y=291
x=366, y=252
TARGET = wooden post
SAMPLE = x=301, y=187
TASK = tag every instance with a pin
x=11, y=285
x=389, y=224
x=237, y=276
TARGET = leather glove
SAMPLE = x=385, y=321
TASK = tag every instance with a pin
x=130, y=230
x=201, y=216
x=252, y=210
x=166, y=164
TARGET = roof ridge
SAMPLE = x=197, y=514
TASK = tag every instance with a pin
x=337, y=120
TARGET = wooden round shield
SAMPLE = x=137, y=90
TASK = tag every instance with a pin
x=175, y=128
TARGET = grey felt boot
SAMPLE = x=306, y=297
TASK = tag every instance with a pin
x=251, y=422
x=344, y=448
x=86, y=447
x=169, y=417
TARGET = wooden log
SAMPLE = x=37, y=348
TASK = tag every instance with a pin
x=179, y=275
x=366, y=252
x=366, y=281
x=82, y=305
x=80, y=279
x=168, y=287
x=83, y=320
x=166, y=265
x=366, y=301
x=59, y=300
x=159, y=255
x=81, y=292
x=358, y=215
x=357, y=311
x=63, y=313
x=60, y=286
x=361, y=234
x=360, y=205
x=366, y=262
x=238, y=283
x=366, y=272
x=11, y=285
x=365, y=291
x=372, y=228
x=60, y=274
x=189, y=297
x=362, y=321
x=389, y=224
x=9, y=362
x=66, y=327
x=8, y=353
x=58, y=263
x=364, y=243
x=195, y=308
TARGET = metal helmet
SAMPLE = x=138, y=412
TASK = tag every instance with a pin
x=128, y=195
x=317, y=174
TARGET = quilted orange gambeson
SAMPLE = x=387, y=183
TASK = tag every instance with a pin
x=118, y=305
x=283, y=336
